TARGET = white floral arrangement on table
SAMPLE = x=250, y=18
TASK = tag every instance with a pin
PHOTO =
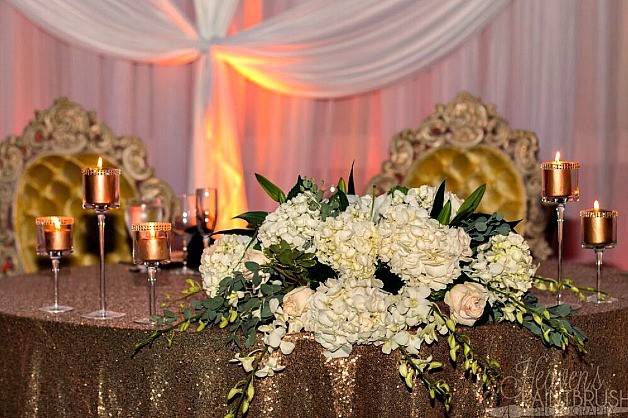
x=401, y=271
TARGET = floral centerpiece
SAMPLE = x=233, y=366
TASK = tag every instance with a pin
x=401, y=271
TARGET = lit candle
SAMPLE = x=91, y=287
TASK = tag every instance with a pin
x=599, y=227
x=560, y=179
x=54, y=233
x=151, y=242
x=101, y=186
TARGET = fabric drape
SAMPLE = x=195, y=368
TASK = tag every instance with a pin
x=319, y=48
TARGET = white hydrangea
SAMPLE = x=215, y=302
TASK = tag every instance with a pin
x=221, y=260
x=228, y=255
x=418, y=248
x=505, y=264
x=294, y=222
x=347, y=311
x=423, y=197
x=349, y=242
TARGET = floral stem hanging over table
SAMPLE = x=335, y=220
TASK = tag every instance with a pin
x=400, y=271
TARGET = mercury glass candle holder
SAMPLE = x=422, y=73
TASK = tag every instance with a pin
x=599, y=233
x=54, y=240
x=559, y=185
x=101, y=192
x=151, y=247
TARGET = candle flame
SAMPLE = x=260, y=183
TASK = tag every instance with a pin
x=99, y=165
x=557, y=158
x=596, y=205
x=56, y=222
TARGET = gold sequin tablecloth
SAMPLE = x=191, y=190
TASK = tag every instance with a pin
x=66, y=366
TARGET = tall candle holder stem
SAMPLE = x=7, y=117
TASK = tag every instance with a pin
x=599, y=297
x=102, y=313
x=560, y=218
x=55, y=257
x=55, y=272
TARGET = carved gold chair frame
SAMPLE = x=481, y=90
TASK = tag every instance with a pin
x=466, y=123
x=66, y=129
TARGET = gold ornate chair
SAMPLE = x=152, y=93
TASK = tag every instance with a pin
x=40, y=175
x=467, y=143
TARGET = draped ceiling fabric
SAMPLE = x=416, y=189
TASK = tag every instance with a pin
x=319, y=48
x=554, y=67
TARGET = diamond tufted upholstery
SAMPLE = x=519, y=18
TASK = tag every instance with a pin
x=51, y=185
x=40, y=174
x=466, y=169
x=467, y=143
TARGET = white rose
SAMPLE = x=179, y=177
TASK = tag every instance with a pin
x=466, y=302
x=296, y=300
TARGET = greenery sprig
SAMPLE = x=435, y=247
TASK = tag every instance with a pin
x=554, y=286
x=412, y=367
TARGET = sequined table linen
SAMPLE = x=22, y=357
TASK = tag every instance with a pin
x=67, y=366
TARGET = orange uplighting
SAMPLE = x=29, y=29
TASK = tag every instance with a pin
x=596, y=205
x=99, y=165
x=56, y=222
x=557, y=158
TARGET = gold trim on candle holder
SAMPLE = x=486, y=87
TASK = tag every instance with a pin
x=152, y=226
x=600, y=213
x=54, y=220
x=560, y=165
x=101, y=171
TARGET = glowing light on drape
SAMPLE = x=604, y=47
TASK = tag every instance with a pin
x=319, y=48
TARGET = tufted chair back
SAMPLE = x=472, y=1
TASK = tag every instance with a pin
x=466, y=143
x=40, y=175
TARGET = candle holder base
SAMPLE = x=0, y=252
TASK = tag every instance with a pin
x=602, y=299
x=103, y=315
x=146, y=321
x=55, y=309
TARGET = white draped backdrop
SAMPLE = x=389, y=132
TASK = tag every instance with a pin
x=330, y=83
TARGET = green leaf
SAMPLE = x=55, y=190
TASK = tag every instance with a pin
x=561, y=310
x=342, y=186
x=271, y=189
x=254, y=218
x=235, y=231
x=296, y=189
x=445, y=214
x=439, y=200
x=469, y=205
x=351, y=186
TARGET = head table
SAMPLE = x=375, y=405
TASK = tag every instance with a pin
x=64, y=365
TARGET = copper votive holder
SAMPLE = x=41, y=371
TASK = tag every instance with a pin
x=101, y=192
x=559, y=181
x=599, y=233
x=54, y=240
x=559, y=185
x=151, y=247
x=101, y=188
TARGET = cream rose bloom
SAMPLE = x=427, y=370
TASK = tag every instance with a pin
x=466, y=302
x=295, y=301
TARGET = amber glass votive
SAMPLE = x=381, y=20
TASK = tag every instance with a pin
x=54, y=234
x=599, y=228
x=151, y=242
x=559, y=180
x=101, y=187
